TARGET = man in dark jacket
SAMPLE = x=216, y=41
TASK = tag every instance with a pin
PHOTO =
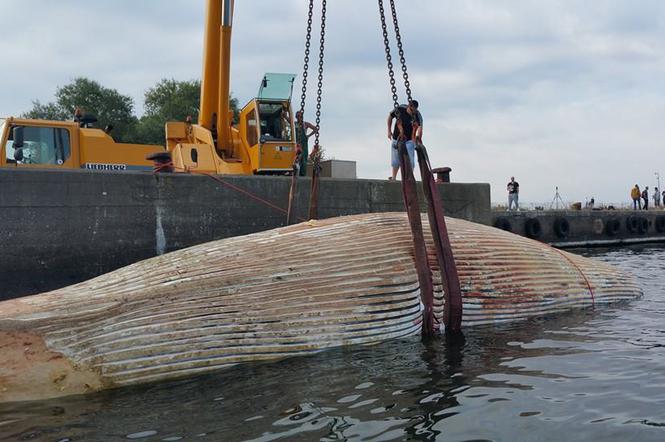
x=412, y=128
x=513, y=189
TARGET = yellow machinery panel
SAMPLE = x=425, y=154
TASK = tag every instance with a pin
x=276, y=157
x=65, y=145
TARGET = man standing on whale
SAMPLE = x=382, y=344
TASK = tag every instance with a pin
x=410, y=118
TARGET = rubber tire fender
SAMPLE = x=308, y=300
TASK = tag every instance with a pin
x=533, y=228
x=612, y=226
x=561, y=227
x=503, y=224
x=632, y=224
x=598, y=226
x=642, y=225
x=660, y=224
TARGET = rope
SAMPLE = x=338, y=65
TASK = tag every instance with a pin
x=247, y=193
x=588, y=283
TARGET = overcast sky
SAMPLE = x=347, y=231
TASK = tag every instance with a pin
x=555, y=92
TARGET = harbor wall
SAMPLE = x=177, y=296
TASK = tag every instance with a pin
x=62, y=227
x=585, y=228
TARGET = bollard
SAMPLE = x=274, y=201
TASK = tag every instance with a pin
x=442, y=174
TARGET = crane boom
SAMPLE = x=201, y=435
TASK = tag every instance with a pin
x=210, y=75
x=216, y=79
x=223, y=111
x=262, y=141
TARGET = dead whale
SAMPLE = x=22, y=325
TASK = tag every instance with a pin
x=284, y=292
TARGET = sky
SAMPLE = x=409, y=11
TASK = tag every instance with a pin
x=558, y=93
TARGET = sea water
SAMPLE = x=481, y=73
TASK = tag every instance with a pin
x=596, y=374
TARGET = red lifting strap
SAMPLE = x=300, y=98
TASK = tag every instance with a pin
x=410, y=194
x=452, y=314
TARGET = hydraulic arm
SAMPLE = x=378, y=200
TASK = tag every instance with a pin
x=263, y=141
x=215, y=81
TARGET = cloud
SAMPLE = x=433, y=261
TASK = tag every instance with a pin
x=560, y=93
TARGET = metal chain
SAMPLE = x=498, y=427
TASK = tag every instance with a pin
x=308, y=44
x=402, y=60
x=389, y=59
x=320, y=83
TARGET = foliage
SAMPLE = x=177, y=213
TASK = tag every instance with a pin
x=108, y=105
x=49, y=111
x=168, y=100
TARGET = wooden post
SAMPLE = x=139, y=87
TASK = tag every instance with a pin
x=314, y=194
x=292, y=190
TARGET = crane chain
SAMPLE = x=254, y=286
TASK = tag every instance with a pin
x=320, y=83
x=402, y=59
x=308, y=44
x=389, y=59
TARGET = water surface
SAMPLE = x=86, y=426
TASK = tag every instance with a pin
x=588, y=375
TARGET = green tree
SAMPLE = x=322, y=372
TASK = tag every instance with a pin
x=168, y=100
x=108, y=105
x=48, y=111
x=171, y=100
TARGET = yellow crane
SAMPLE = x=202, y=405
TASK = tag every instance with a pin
x=263, y=142
x=28, y=143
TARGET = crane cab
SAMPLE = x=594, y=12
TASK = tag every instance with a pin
x=44, y=144
x=263, y=141
x=267, y=126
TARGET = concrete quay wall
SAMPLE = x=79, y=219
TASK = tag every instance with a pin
x=62, y=227
x=585, y=228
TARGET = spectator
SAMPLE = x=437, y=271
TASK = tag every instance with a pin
x=304, y=130
x=78, y=114
x=656, y=197
x=635, y=195
x=645, y=197
x=513, y=188
x=285, y=123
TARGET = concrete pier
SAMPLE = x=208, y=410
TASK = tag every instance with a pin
x=63, y=227
x=585, y=228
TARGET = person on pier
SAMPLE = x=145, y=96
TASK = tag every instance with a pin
x=635, y=195
x=513, y=188
x=302, y=140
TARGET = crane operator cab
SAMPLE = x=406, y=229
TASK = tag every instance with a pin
x=262, y=142
x=267, y=126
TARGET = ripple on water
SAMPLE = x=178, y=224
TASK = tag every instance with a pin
x=586, y=375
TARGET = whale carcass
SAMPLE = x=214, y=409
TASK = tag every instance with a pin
x=288, y=291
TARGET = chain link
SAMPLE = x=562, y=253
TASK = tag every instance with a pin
x=402, y=59
x=320, y=83
x=389, y=59
x=308, y=44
